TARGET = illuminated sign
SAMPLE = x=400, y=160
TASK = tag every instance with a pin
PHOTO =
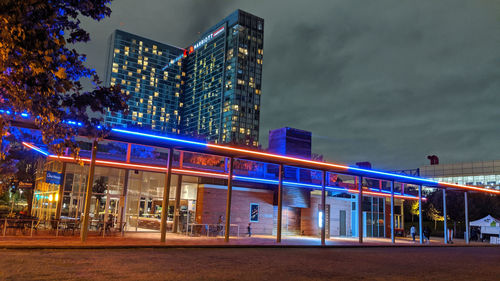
x=174, y=61
x=53, y=177
x=205, y=40
x=198, y=44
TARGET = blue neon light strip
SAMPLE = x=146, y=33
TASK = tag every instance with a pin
x=41, y=151
x=38, y=150
x=394, y=175
x=159, y=137
x=251, y=179
x=374, y=173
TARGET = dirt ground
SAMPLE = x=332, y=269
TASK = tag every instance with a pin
x=397, y=263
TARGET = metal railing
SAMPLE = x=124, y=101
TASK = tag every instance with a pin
x=37, y=227
x=214, y=230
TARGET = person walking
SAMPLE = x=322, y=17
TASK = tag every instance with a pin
x=219, y=226
x=450, y=235
x=249, y=229
x=413, y=232
x=427, y=234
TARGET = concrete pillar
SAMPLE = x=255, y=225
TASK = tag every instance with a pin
x=445, y=219
x=323, y=209
x=393, y=238
x=88, y=195
x=280, y=204
x=466, y=218
x=420, y=215
x=166, y=196
x=228, y=201
x=177, y=205
x=60, y=192
x=360, y=211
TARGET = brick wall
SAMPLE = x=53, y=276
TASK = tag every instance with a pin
x=211, y=203
x=290, y=224
x=309, y=216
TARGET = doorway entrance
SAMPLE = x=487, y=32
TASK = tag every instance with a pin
x=343, y=224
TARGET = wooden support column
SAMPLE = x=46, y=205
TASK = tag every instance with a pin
x=177, y=205
x=123, y=202
x=360, y=211
x=280, y=204
x=466, y=218
x=323, y=208
x=445, y=219
x=178, y=195
x=420, y=215
x=88, y=195
x=166, y=196
x=393, y=237
x=60, y=193
x=123, y=197
x=228, y=201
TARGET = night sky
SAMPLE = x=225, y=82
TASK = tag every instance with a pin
x=388, y=82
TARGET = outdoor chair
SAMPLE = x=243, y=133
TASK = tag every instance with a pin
x=71, y=226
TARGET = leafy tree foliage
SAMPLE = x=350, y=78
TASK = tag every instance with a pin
x=98, y=189
x=433, y=214
x=19, y=164
x=40, y=72
x=480, y=205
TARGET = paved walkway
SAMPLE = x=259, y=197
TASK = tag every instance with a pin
x=360, y=263
x=175, y=240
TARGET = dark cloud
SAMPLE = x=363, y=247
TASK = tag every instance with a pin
x=382, y=81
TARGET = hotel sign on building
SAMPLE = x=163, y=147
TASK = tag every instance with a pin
x=207, y=39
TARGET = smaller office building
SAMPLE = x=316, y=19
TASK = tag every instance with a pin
x=480, y=173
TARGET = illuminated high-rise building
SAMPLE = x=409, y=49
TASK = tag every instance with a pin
x=210, y=90
x=135, y=63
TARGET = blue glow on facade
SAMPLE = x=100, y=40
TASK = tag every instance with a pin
x=395, y=176
x=159, y=137
x=262, y=180
x=40, y=150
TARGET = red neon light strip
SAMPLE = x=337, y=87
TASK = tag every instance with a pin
x=163, y=169
x=474, y=188
x=195, y=173
x=142, y=167
x=277, y=156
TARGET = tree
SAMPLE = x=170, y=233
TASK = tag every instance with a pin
x=414, y=209
x=100, y=186
x=20, y=164
x=25, y=170
x=433, y=214
x=40, y=72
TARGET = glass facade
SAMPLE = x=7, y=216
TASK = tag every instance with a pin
x=484, y=173
x=46, y=195
x=374, y=216
x=202, y=90
x=136, y=64
x=134, y=203
x=211, y=90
